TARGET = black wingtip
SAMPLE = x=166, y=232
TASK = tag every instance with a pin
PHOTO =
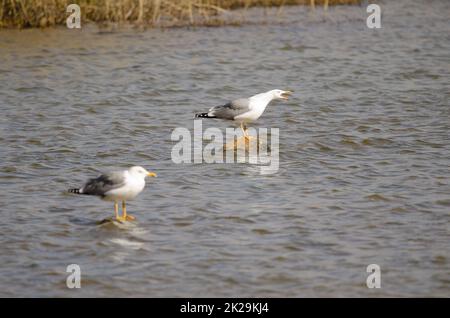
x=76, y=191
x=203, y=115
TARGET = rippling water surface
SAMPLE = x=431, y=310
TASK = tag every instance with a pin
x=364, y=157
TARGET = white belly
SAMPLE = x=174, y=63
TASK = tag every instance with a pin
x=128, y=192
x=249, y=116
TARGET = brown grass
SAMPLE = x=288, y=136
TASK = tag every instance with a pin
x=43, y=13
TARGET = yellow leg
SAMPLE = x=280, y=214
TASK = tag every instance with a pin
x=240, y=141
x=124, y=213
x=235, y=142
x=244, y=131
x=246, y=135
x=116, y=210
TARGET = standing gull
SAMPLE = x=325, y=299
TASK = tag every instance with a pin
x=117, y=186
x=245, y=110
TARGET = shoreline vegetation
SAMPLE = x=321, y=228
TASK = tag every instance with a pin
x=151, y=13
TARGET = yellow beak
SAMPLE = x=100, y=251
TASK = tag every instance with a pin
x=151, y=174
x=285, y=95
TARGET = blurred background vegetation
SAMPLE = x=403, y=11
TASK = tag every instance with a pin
x=44, y=13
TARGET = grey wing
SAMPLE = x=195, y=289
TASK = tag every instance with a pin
x=231, y=109
x=104, y=183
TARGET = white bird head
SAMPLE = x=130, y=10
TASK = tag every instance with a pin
x=139, y=171
x=280, y=94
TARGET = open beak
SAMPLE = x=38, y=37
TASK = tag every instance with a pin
x=151, y=174
x=285, y=95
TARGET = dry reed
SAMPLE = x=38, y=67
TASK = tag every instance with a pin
x=43, y=13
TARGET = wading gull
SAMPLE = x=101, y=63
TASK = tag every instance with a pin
x=245, y=110
x=117, y=186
